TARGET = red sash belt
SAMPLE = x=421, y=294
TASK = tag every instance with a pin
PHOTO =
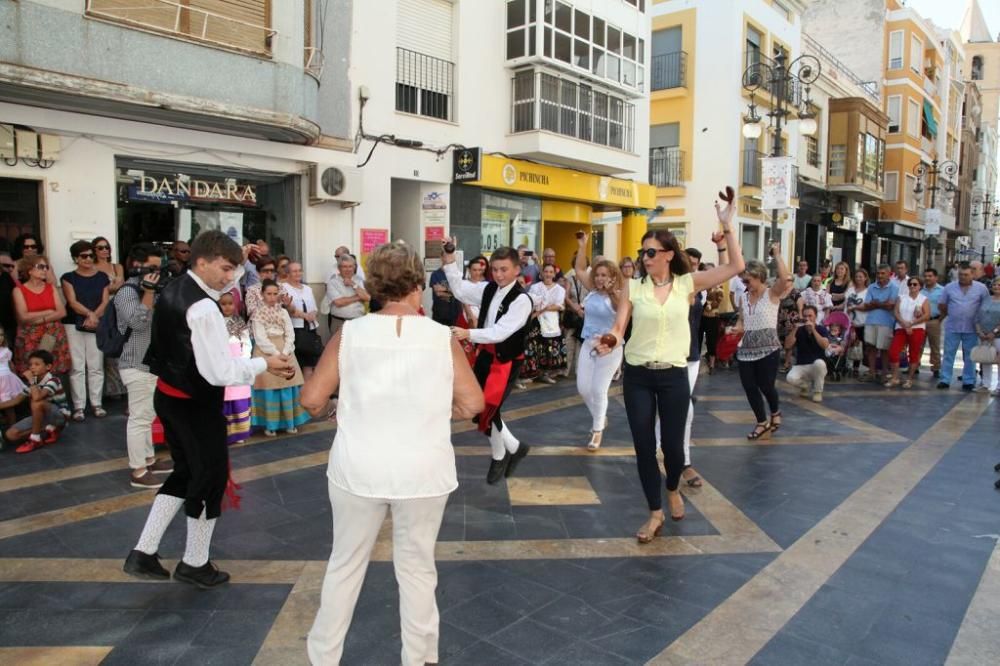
x=495, y=386
x=167, y=389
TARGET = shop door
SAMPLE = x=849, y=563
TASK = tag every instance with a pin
x=19, y=209
x=848, y=244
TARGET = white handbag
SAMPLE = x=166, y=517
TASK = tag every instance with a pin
x=549, y=323
x=984, y=353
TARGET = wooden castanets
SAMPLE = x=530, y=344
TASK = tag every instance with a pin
x=609, y=340
x=728, y=195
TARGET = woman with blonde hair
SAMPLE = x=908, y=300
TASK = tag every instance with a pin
x=604, y=283
x=401, y=380
x=838, y=285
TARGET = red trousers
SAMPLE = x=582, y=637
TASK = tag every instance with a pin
x=915, y=342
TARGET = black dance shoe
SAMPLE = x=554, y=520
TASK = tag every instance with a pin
x=141, y=565
x=516, y=457
x=498, y=469
x=206, y=576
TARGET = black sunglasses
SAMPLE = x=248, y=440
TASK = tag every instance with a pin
x=102, y=247
x=85, y=255
x=650, y=252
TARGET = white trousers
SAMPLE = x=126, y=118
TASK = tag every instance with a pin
x=989, y=378
x=356, y=524
x=88, y=368
x=693, y=367
x=141, y=386
x=810, y=375
x=593, y=379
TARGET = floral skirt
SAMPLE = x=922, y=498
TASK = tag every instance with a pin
x=51, y=337
x=542, y=354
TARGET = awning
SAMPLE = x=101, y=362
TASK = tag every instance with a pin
x=929, y=118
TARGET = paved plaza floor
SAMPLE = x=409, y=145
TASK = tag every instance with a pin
x=865, y=532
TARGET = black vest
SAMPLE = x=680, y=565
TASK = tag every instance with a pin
x=513, y=346
x=170, y=355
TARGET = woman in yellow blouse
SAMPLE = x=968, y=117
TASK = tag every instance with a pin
x=656, y=381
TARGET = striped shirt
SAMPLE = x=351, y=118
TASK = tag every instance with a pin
x=53, y=389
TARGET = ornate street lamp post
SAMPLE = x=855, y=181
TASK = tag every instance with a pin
x=778, y=82
x=947, y=168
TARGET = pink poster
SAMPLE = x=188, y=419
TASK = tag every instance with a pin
x=372, y=238
x=434, y=233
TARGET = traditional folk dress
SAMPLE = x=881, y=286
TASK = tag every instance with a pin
x=276, y=400
x=237, y=399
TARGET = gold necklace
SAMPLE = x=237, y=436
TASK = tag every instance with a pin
x=669, y=280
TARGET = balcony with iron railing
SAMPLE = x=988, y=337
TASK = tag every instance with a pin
x=666, y=167
x=759, y=70
x=425, y=85
x=752, y=167
x=544, y=101
x=181, y=20
x=668, y=70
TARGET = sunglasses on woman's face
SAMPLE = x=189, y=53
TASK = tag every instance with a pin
x=650, y=252
x=102, y=247
x=42, y=267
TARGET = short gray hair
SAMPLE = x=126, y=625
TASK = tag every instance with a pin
x=756, y=269
x=347, y=259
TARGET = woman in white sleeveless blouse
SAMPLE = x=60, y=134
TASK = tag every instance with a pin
x=401, y=378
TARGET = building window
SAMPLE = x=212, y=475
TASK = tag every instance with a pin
x=894, y=109
x=916, y=54
x=669, y=63
x=754, y=39
x=977, y=68
x=913, y=118
x=896, y=49
x=870, y=171
x=750, y=240
x=241, y=25
x=424, y=84
x=812, y=151
x=576, y=38
x=549, y=102
x=891, y=185
x=838, y=160
x=666, y=161
x=909, y=198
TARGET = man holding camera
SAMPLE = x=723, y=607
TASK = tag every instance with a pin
x=810, y=342
x=134, y=309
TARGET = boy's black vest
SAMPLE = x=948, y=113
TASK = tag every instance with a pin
x=513, y=346
x=170, y=355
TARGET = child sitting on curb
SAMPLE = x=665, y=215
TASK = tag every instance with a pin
x=47, y=396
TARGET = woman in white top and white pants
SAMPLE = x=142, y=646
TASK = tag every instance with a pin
x=397, y=363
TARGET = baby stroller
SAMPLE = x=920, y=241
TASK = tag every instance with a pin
x=836, y=353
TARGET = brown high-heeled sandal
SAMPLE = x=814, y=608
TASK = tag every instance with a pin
x=643, y=536
x=676, y=505
x=760, y=431
x=690, y=476
x=775, y=425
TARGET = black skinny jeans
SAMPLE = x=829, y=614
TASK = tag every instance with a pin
x=709, y=333
x=758, y=379
x=648, y=393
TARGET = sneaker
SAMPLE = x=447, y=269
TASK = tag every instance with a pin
x=292, y=431
x=161, y=466
x=30, y=445
x=147, y=481
x=817, y=397
x=804, y=392
x=78, y=415
x=206, y=576
x=269, y=433
x=51, y=436
x=142, y=565
x=100, y=412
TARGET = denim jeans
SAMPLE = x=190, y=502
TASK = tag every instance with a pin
x=951, y=342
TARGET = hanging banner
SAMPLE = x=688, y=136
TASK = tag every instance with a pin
x=776, y=182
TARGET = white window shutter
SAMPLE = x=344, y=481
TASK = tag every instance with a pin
x=425, y=26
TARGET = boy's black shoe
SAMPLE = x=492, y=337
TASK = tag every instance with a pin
x=516, y=458
x=141, y=565
x=206, y=576
x=497, y=469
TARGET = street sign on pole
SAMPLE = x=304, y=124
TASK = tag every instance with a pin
x=776, y=182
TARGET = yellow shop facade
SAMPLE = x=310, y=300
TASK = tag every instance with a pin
x=498, y=201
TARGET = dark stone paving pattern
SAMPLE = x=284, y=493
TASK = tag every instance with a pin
x=898, y=600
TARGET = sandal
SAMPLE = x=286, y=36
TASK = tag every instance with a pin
x=775, y=425
x=692, y=481
x=892, y=383
x=78, y=415
x=595, y=440
x=676, y=507
x=644, y=535
x=908, y=384
x=760, y=431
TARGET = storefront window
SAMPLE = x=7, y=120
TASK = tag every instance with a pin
x=484, y=220
x=162, y=204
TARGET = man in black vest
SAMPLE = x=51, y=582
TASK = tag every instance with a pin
x=505, y=308
x=189, y=354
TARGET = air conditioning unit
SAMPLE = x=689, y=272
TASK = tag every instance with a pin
x=332, y=182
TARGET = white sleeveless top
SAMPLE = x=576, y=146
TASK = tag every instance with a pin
x=394, y=413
